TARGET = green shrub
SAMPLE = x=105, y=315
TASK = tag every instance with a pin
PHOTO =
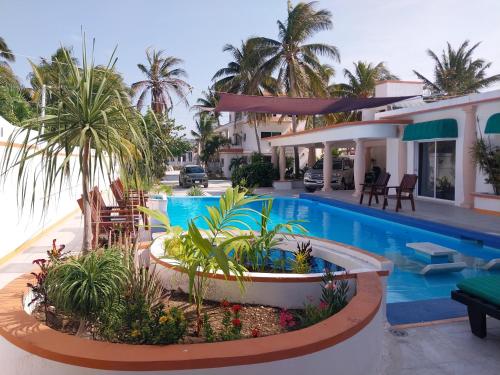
x=84, y=286
x=195, y=191
x=259, y=174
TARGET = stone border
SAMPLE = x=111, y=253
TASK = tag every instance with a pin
x=29, y=334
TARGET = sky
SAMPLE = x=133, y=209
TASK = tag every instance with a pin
x=397, y=32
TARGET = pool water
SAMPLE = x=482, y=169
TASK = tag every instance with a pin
x=376, y=235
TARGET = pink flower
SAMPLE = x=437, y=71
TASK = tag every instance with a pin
x=323, y=305
x=236, y=322
x=286, y=319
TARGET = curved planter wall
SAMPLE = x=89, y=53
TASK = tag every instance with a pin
x=285, y=290
x=346, y=343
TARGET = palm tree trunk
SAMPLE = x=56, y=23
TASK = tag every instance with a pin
x=257, y=138
x=292, y=93
x=87, y=209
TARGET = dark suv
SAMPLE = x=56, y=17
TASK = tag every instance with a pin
x=342, y=175
x=192, y=175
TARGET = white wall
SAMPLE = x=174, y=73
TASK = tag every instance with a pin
x=483, y=113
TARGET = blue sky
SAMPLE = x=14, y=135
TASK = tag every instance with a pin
x=395, y=31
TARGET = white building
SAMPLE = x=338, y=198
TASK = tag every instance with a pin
x=189, y=157
x=432, y=140
x=241, y=133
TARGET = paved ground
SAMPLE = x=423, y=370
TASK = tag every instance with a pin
x=437, y=349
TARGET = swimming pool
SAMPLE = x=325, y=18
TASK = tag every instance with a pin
x=379, y=236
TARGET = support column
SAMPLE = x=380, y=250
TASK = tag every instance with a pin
x=282, y=162
x=402, y=157
x=359, y=167
x=468, y=165
x=327, y=167
x=311, y=157
x=274, y=156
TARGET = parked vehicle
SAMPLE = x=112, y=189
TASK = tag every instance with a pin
x=342, y=175
x=191, y=175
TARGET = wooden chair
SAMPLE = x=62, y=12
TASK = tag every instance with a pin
x=403, y=192
x=375, y=189
x=111, y=223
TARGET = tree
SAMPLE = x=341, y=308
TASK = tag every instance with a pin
x=90, y=121
x=244, y=76
x=300, y=72
x=13, y=105
x=163, y=78
x=208, y=141
x=456, y=72
x=5, y=51
x=362, y=81
x=207, y=103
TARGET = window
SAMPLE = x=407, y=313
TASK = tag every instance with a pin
x=194, y=169
x=268, y=134
x=190, y=156
x=436, y=169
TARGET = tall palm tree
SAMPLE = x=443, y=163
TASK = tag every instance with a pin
x=164, y=78
x=243, y=75
x=204, y=129
x=5, y=51
x=294, y=58
x=456, y=72
x=362, y=81
x=91, y=121
x=207, y=103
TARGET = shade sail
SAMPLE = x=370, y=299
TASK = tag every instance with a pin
x=493, y=124
x=445, y=128
x=298, y=106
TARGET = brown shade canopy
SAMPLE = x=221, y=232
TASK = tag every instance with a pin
x=298, y=106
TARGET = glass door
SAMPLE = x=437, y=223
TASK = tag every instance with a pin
x=436, y=169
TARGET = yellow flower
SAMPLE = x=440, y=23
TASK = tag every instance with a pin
x=135, y=333
x=163, y=319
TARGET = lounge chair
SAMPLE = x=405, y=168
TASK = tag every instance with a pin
x=403, y=192
x=375, y=189
x=481, y=295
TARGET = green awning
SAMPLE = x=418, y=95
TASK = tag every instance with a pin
x=445, y=128
x=493, y=124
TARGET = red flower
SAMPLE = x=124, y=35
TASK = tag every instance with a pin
x=224, y=303
x=236, y=308
x=255, y=332
x=236, y=322
x=323, y=305
x=286, y=319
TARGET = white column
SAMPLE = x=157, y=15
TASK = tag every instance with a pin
x=327, y=167
x=274, y=156
x=311, y=156
x=359, y=167
x=468, y=166
x=282, y=163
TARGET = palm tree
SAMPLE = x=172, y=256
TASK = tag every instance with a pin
x=95, y=123
x=5, y=51
x=244, y=76
x=296, y=61
x=164, y=78
x=456, y=72
x=207, y=103
x=208, y=141
x=361, y=82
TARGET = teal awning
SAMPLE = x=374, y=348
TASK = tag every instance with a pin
x=493, y=124
x=445, y=128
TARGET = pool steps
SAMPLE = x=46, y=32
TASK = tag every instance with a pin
x=442, y=267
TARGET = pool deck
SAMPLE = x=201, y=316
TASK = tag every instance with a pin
x=430, y=348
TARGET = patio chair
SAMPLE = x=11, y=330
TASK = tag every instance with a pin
x=481, y=295
x=129, y=198
x=375, y=189
x=403, y=192
x=111, y=223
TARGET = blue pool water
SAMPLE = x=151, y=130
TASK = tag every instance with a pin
x=383, y=237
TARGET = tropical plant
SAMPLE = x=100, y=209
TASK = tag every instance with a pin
x=300, y=73
x=89, y=120
x=457, y=72
x=237, y=162
x=244, y=76
x=84, y=286
x=487, y=157
x=5, y=51
x=195, y=191
x=13, y=105
x=361, y=82
x=303, y=258
x=200, y=254
x=206, y=104
x=208, y=141
x=259, y=174
x=164, y=78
